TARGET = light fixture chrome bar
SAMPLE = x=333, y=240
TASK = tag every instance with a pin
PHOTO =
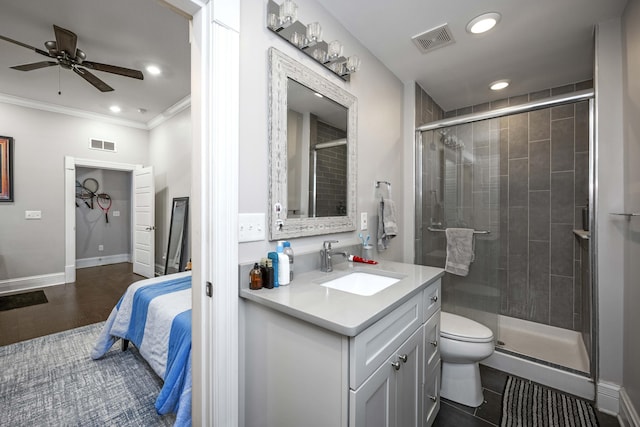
x=552, y=101
x=444, y=229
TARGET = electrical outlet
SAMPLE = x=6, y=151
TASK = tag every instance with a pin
x=101, y=248
x=116, y=213
x=363, y=221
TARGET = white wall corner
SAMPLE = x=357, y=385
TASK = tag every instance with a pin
x=608, y=398
x=409, y=128
x=628, y=414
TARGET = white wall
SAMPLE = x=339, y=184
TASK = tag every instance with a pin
x=380, y=134
x=42, y=139
x=609, y=198
x=170, y=155
x=631, y=89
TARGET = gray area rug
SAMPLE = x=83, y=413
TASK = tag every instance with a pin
x=52, y=381
x=527, y=404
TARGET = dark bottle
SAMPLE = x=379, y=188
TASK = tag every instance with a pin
x=269, y=282
x=256, y=277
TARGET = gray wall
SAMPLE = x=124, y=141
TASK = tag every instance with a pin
x=42, y=139
x=170, y=156
x=631, y=70
x=92, y=229
x=380, y=145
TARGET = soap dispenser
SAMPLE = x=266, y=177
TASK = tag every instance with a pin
x=283, y=266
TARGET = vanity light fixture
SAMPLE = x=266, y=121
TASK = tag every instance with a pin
x=499, y=84
x=282, y=20
x=483, y=23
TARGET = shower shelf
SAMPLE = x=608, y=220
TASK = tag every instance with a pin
x=444, y=229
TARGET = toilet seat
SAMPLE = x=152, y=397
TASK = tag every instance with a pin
x=460, y=328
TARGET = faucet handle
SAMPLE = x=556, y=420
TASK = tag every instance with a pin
x=326, y=245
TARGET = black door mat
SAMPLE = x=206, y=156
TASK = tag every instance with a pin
x=26, y=299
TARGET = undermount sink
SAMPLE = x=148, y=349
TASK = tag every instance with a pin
x=361, y=283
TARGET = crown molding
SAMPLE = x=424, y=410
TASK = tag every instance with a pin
x=176, y=108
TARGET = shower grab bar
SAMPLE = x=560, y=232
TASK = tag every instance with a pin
x=444, y=229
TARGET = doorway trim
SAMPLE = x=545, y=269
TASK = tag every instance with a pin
x=70, y=164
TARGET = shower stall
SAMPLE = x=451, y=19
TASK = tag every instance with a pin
x=519, y=176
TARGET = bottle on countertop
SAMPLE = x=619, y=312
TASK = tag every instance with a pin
x=256, y=277
x=283, y=266
x=288, y=251
x=273, y=257
x=267, y=279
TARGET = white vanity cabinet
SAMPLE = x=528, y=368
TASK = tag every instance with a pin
x=297, y=373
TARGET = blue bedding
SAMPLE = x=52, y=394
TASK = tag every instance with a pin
x=155, y=315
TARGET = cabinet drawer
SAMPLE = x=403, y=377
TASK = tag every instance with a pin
x=375, y=344
x=431, y=299
x=432, y=341
x=431, y=397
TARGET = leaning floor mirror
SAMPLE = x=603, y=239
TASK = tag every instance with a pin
x=176, y=258
x=312, y=152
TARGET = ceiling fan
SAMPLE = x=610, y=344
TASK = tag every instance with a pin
x=64, y=52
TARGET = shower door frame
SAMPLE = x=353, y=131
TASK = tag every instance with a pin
x=554, y=101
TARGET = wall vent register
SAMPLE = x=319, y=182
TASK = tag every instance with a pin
x=98, y=144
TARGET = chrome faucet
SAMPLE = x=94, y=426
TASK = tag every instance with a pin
x=326, y=264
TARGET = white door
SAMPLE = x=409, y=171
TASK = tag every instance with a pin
x=143, y=222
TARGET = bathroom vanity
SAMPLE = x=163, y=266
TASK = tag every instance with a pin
x=319, y=356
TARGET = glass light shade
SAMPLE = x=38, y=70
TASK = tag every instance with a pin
x=314, y=32
x=288, y=12
x=334, y=49
x=320, y=55
x=353, y=64
x=273, y=21
x=297, y=39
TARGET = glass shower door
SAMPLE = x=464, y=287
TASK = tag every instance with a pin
x=458, y=186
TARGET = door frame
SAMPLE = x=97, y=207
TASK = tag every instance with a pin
x=70, y=164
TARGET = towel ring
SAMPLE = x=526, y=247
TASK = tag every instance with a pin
x=388, y=184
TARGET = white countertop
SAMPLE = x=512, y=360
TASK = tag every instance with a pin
x=342, y=312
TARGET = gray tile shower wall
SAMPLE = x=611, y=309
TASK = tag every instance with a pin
x=542, y=176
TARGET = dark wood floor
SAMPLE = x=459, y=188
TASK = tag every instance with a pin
x=89, y=300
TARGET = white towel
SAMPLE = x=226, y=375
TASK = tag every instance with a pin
x=459, y=250
x=387, y=222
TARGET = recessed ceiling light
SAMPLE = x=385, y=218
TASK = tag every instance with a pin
x=115, y=109
x=483, y=23
x=153, y=70
x=319, y=95
x=499, y=84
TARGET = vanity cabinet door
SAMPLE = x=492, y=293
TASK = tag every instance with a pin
x=409, y=381
x=431, y=342
x=431, y=397
x=373, y=403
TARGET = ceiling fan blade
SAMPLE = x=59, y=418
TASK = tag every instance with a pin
x=127, y=72
x=35, y=49
x=34, y=66
x=66, y=41
x=99, y=84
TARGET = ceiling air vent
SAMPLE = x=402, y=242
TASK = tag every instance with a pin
x=98, y=144
x=433, y=39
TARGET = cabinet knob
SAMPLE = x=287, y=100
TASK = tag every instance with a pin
x=403, y=357
x=396, y=365
x=434, y=343
x=434, y=298
x=433, y=398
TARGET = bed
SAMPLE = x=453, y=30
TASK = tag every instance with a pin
x=155, y=315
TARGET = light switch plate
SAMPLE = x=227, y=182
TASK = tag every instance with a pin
x=363, y=221
x=251, y=227
x=32, y=214
x=116, y=213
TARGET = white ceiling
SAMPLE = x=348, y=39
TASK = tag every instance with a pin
x=126, y=33
x=538, y=44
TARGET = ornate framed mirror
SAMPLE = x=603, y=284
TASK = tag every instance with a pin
x=312, y=152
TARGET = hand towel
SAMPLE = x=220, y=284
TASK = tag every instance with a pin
x=387, y=222
x=459, y=250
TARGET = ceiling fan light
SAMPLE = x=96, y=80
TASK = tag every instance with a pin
x=483, y=23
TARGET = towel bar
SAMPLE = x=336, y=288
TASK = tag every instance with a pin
x=444, y=229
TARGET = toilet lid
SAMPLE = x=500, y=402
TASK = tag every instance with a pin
x=460, y=328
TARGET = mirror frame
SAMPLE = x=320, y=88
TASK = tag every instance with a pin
x=185, y=232
x=281, y=69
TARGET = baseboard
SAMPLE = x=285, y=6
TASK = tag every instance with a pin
x=608, y=399
x=628, y=415
x=25, y=283
x=102, y=260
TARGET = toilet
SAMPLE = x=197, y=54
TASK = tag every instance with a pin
x=463, y=343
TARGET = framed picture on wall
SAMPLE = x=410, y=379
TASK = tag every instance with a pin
x=6, y=169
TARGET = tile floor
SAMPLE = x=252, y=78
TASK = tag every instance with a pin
x=488, y=414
